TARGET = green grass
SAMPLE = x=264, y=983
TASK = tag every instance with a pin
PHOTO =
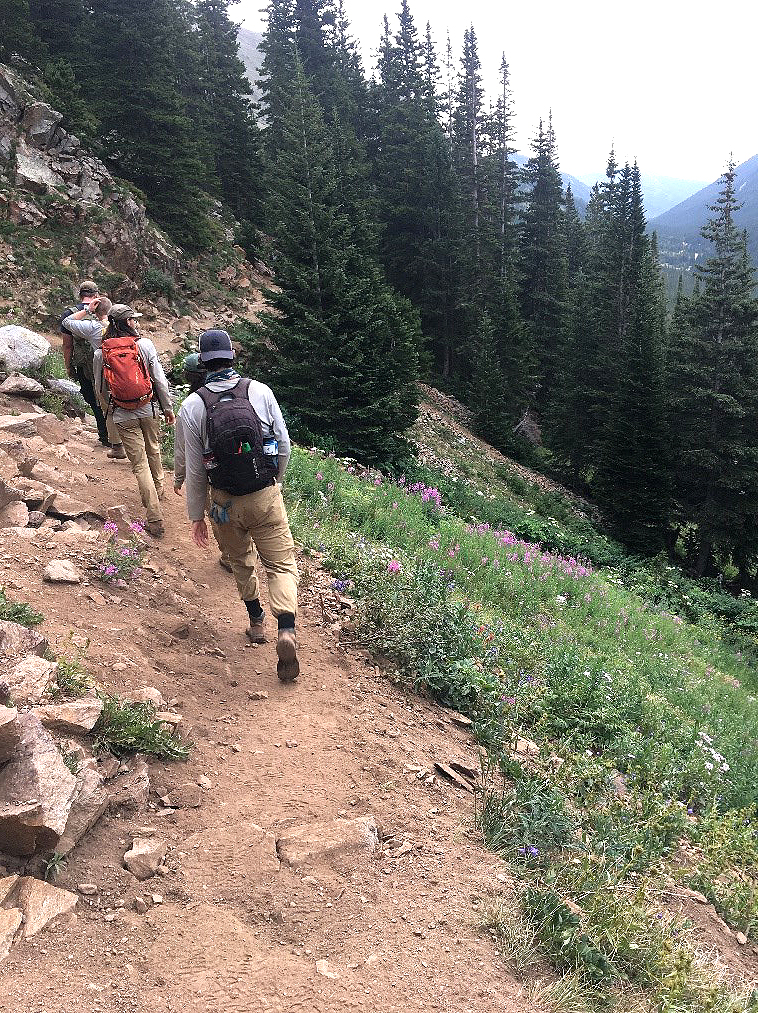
x=644, y=713
x=18, y=612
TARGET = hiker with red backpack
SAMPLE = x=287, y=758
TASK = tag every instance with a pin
x=129, y=373
x=236, y=441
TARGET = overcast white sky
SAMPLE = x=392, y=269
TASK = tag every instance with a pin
x=669, y=83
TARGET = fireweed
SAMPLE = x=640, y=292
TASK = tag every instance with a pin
x=122, y=559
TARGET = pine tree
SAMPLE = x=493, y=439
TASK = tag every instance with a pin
x=146, y=131
x=715, y=401
x=231, y=133
x=543, y=262
x=348, y=347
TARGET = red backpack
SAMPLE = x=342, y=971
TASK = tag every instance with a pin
x=125, y=373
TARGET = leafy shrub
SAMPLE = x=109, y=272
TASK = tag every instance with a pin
x=124, y=728
x=18, y=612
x=157, y=282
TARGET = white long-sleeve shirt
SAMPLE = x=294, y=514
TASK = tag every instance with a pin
x=192, y=432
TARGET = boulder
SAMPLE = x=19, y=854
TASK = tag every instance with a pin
x=36, y=792
x=63, y=386
x=18, y=385
x=34, y=171
x=144, y=857
x=10, y=735
x=61, y=571
x=147, y=694
x=90, y=802
x=21, y=348
x=77, y=717
x=42, y=903
x=67, y=508
x=51, y=430
x=315, y=843
x=17, y=641
x=36, y=495
x=39, y=122
x=29, y=679
x=9, y=493
x=14, y=515
x=35, y=519
x=10, y=922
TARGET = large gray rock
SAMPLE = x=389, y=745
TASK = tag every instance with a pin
x=36, y=495
x=61, y=571
x=77, y=717
x=9, y=493
x=322, y=842
x=18, y=385
x=89, y=804
x=36, y=792
x=63, y=386
x=39, y=122
x=15, y=515
x=21, y=348
x=34, y=171
x=10, y=923
x=10, y=734
x=41, y=904
x=17, y=641
x=27, y=681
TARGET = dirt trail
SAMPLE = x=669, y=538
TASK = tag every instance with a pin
x=232, y=933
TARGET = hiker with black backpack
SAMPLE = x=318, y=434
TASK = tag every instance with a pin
x=86, y=327
x=128, y=371
x=81, y=332
x=236, y=441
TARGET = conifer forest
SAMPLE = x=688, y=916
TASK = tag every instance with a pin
x=407, y=244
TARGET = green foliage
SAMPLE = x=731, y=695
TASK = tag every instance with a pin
x=53, y=865
x=157, y=282
x=18, y=612
x=125, y=728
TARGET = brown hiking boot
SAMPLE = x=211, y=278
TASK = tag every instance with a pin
x=255, y=632
x=288, y=667
x=155, y=528
x=117, y=452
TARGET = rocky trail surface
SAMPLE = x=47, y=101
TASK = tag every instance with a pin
x=308, y=855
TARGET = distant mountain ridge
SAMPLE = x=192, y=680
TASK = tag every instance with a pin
x=679, y=240
x=659, y=192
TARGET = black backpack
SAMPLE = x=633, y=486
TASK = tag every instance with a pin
x=237, y=461
x=67, y=313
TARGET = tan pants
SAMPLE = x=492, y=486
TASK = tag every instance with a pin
x=259, y=516
x=142, y=443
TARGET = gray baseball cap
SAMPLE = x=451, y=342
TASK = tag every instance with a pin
x=120, y=311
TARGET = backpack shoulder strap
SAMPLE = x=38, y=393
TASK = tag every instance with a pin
x=211, y=398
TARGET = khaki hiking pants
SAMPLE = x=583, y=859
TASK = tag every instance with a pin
x=142, y=443
x=110, y=425
x=262, y=517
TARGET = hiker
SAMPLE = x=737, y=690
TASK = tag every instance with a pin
x=235, y=440
x=78, y=351
x=86, y=327
x=128, y=368
x=194, y=377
